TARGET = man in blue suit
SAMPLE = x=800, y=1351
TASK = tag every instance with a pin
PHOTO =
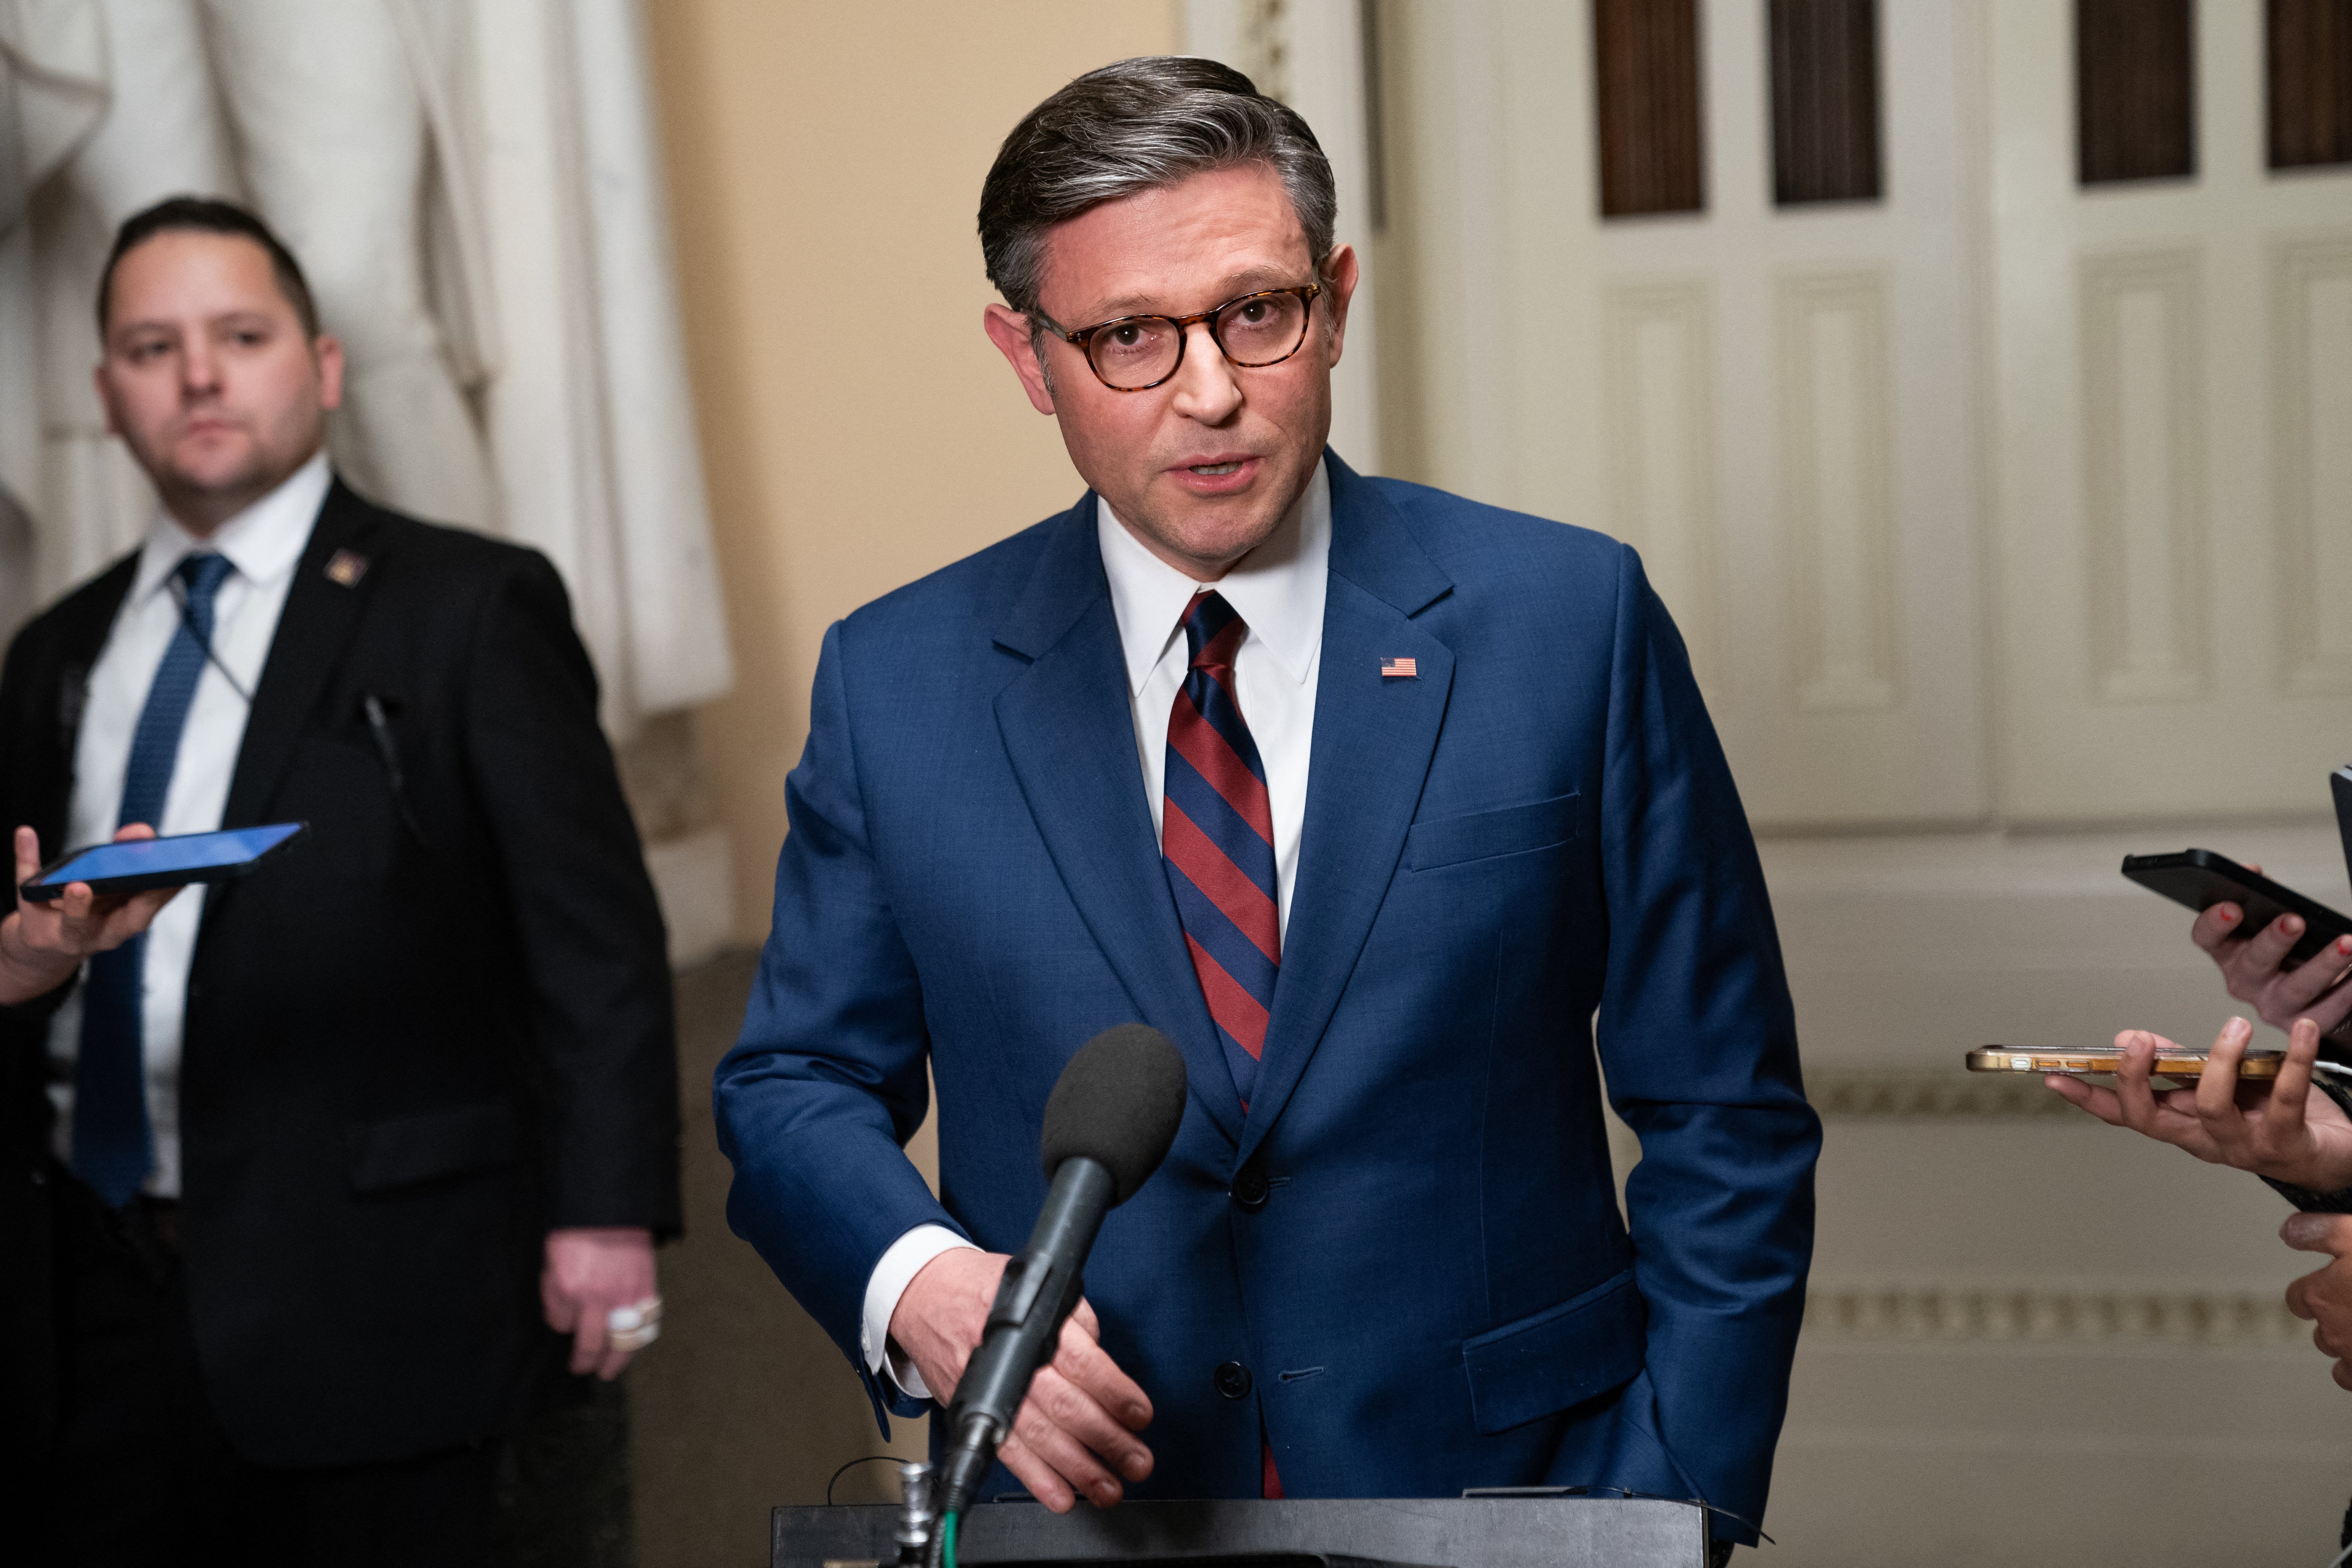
x=1371, y=798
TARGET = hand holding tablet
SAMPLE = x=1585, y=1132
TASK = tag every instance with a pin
x=137, y=865
x=95, y=900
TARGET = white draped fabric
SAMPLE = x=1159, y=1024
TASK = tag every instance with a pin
x=474, y=188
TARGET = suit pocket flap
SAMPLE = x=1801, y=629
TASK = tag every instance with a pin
x=1482, y=835
x=1561, y=1356
x=401, y=1150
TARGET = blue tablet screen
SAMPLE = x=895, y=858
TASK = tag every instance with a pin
x=189, y=852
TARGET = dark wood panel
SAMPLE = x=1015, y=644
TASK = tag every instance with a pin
x=1824, y=101
x=2135, y=89
x=1647, y=93
x=2310, y=50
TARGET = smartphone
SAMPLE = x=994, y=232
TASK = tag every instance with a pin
x=135, y=865
x=2200, y=878
x=2106, y=1058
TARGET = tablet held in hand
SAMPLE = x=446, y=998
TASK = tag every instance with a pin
x=135, y=865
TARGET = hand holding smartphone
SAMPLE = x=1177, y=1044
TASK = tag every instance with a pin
x=2285, y=955
x=137, y=865
x=2228, y=1116
x=95, y=900
x=43, y=943
x=2199, y=879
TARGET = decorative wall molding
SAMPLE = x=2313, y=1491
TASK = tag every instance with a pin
x=1658, y=345
x=2311, y=336
x=2144, y=432
x=1837, y=489
x=2024, y=1313
x=1955, y=1095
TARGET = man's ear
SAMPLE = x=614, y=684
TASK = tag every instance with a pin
x=1340, y=271
x=327, y=350
x=1009, y=330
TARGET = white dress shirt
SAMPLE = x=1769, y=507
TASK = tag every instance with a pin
x=263, y=544
x=1277, y=590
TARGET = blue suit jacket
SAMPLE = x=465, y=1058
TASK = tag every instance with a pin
x=1438, y=1293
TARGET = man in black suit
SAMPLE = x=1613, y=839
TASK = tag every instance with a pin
x=289, y=1177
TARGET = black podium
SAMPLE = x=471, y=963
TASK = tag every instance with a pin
x=1435, y=1532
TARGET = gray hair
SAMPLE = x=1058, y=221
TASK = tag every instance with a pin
x=1137, y=126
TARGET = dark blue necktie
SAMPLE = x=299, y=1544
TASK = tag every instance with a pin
x=112, y=1144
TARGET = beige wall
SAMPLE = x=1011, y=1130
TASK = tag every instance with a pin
x=824, y=165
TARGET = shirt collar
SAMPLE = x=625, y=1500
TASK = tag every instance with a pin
x=1278, y=589
x=264, y=541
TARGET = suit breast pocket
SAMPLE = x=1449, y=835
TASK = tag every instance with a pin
x=335, y=781
x=1488, y=834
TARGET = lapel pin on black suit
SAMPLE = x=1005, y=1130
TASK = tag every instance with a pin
x=346, y=567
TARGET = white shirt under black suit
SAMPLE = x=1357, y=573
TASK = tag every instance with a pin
x=263, y=544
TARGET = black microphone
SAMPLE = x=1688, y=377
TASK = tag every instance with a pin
x=1109, y=1123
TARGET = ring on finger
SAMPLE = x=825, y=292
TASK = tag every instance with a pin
x=635, y=1326
x=637, y=1315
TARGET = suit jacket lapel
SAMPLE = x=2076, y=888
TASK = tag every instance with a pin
x=1374, y=736
x=1069, y=732
x=317, y=624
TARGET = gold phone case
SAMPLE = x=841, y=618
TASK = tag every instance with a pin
x=2169, y=1063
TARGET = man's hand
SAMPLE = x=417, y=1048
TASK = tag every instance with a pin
x=41, y=944
x=2284, y=1132
x=1075, y=1432
x=2324, y=1297
x=2248, y=962
x=589, y=1272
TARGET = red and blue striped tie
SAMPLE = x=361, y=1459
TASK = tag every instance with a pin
x=1217, y=837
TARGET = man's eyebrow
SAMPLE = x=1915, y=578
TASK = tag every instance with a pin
x=219, y=318
x=1248, y=280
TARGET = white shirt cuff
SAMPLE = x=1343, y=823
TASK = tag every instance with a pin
x=891, y=1276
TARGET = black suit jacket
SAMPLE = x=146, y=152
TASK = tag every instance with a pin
x=414, y=1044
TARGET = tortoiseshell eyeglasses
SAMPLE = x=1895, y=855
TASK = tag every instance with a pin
x=1136, y=353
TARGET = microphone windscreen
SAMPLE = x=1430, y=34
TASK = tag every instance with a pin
x=1117, y=1103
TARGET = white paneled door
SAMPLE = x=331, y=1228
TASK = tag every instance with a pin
x=1833, y=585
x=2172, y=376
x=1775, y=404
x=1999, y=498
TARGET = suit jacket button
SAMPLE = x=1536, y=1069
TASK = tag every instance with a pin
x=1234, y=1380
x=1249, y=1189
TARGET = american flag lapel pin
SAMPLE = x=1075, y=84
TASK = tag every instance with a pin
x=346, y=567
x=1399, y=670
